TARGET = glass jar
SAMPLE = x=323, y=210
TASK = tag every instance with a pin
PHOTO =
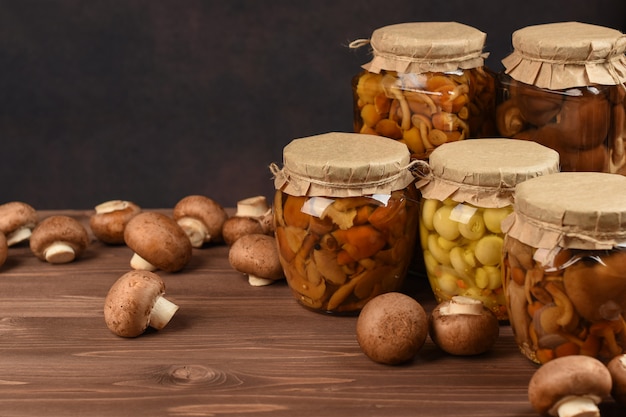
x=564, y=266
x=467, y=189
x=563, y=87
x=345, y=219
x=426, y=85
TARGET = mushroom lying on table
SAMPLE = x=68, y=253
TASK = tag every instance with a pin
x=201, y=218
x=110, y=219
x=59, y=239
x=158, y=242
x=17, y=220
x=256, y=256
x=253, y=216
x=617, y=369
x=135, y=302
x=4, y=249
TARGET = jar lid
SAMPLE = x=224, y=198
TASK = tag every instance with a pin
x=343, y=165
x=424, y=47
x=484, y=172
x=566, y=55
x=579, y=210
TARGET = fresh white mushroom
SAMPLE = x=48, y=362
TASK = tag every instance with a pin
x=59, y=239
x=201, y=218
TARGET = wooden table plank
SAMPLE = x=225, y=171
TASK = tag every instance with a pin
x=231, y=349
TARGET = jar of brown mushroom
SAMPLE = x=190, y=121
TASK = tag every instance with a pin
x=564, y=266
x=563, y=86
x=426, y=85
x=346, y=215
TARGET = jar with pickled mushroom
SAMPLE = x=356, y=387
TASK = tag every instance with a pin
x=563, y=87
x=467, y=189
x=346, y=215
x=426, y=85
x=564, y=264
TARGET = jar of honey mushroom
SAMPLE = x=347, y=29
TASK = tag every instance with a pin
x=564, y=266
x=563, y=87
x=426, y=85
x=467, y=189
x=345, y=219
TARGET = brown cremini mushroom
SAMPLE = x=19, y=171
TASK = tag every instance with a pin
x=201, y=218
x=134, y=302
x=17, y=220
x=569, y=386
x=110, y=219
x=59, y=239
x=256, y=256
x=4, y=249
x=617, y=369
x=253, y=216
x=463, y=326
x=158, y=242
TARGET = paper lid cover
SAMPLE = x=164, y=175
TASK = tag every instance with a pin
x=340, y=164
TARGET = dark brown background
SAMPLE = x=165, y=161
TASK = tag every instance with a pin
x=153, y=100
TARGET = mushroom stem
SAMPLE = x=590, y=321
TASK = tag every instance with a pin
x=252, y=207
x=137, y=262
x=162, y=312
x=577, y=406
x=18, y=236
x=463, y=305
x=111, y=206
x=195, y=230
x=59, y=253
x=258, y=281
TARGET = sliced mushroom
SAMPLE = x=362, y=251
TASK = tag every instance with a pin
x=110, y=219
x=17, y=220
x=59, y=239
x=201, y=218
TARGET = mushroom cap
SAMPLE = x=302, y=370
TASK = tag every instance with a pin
x=130, y=300
x=159, y=240
x=617, y=369
x=574, y=375
x=204, y=209
x=236, y=226
x=61, y=229
x=110, y=219
x=4, y=249
x=16, y=214
x=256, y=255
x=463, y=334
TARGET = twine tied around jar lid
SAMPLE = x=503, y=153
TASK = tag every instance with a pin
x=483, y=172
x=340, y=164
x=564, y=55
x=571, y=210
x=420, y=47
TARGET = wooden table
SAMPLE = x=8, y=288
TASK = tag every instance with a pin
x=231, y=350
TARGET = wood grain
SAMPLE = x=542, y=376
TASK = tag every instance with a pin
x=231, y=349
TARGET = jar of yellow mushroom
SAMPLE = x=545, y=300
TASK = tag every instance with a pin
x=468, y=189
x=565, y=266
x=346, y=215
x=426, y=85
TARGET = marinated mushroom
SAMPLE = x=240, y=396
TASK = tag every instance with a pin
x=17, y=220
x=201, y=218
x=135, y=302
x=158, y=242
x=569, y=386
x=392, y=328
x=463, y=326
x=617, y=369
x=256, y=256
x=59, y=239
x=253, y=216
x=110, y=219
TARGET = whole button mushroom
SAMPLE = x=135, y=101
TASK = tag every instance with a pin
x=110, y=219
x=17, y=220
x=253, y=216
x=4, y=249
x=59, y=239
x=570, y=386
x=135, y=302
x=617, y=369
x=256, y=256
x=463, y=326
x=201, y=218
x=158, y=242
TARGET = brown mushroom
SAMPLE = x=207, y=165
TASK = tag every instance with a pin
x=134, y=302
x=569, y=386
x=256, y=256
x=201, y=218
x=463, y=326
x=158, y=242
x=59, y=239
x=253, y=216
x=585, y=120
x=617, y=369
x=538, y=106
x=110, y=219
x=17, y=220
x=4, y=249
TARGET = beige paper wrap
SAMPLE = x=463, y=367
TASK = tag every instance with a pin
x=340, y=164
x=571, y=210
x=564, y=55
x=425, y=47
x=484, y=172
